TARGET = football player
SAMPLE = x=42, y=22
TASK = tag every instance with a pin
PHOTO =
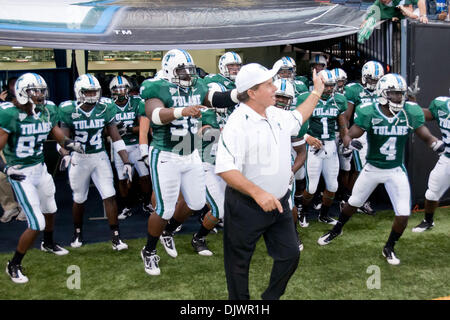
x=173, y=103
x=317, y=62
x=322, y=159
x=357, y=94
x=24, y=126
x=229, y=65
x=127, y=117
x=287, y=70
x=388, y=124
x=439, y=180
x=341, y=79
x=86, y=118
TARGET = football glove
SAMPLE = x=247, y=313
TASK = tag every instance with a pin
x=321, y=153
x=71, y=145
x=64, y=164
x=127, y=171
x=438, y=147
x=14, y=173
x=414, y=90
x=354, y=145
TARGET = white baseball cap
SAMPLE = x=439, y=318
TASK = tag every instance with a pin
x=252, y=74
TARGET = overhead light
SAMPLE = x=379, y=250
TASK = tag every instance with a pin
x=17, y=47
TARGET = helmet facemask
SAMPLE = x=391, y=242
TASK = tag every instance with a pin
x=286, y=73
x=394, y=98
x=120, y=93
x=283, y=101
x=90, y=96
x=369, y=82
x=329, y=89
x=37, y=95
x=340, y=84
x=231, y=70
x=185, y=76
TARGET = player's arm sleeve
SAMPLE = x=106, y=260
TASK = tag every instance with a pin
x=362, y=116
x=342, y=103
x=417, y=117
x=7, y=121
x=230, y=151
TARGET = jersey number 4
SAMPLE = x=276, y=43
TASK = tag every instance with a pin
x=389, y=148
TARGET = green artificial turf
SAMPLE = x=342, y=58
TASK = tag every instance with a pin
x=336, y=271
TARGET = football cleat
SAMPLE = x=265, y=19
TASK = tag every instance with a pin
x=77, y=240
x=168, y=243
x=8, y=215
x=424, y=225
x=341, y=205
x=302, y=221
x=390, y=256
x=328, y=237
x=220, y=223
x=15, y=273
x=200, y=246
x=178, y=229
x=53, y=248
x=366, y=209
x=148, y=208
x=327, y=220
x=126, y=212
x=300, y=243
x=117, y=244
x=151, y=260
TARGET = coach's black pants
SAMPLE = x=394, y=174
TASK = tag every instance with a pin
x=244, y=223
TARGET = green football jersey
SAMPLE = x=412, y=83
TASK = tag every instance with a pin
x=128, y=115
x=387, y=136
x=87, y=127
x=306, y=81
x=299, y=87
x=218, y=78
x=179, y=136
x=440, y=109
x=324, y=118
x=26, y=134
x=357, y=94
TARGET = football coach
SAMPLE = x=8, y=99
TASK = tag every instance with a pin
x=254, y=158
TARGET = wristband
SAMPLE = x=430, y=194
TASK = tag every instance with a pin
x=177, y=113
x=314, y=92
x=233, y=95
x=143, y=148
x=119, y=145
x=155, y=116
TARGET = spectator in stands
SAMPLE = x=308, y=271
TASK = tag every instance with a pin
x=438, y=9
x=397, y=9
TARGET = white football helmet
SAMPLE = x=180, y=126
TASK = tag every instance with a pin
x=84, y=84
x=371, y=72
x=30, y=85
x=392, y=82
x=330, y=80
x=226, y=59
x=341, y=79
x=284, y=89
x=179, y=68
x=286, y=66
x=119, y=88
x=318, y=59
